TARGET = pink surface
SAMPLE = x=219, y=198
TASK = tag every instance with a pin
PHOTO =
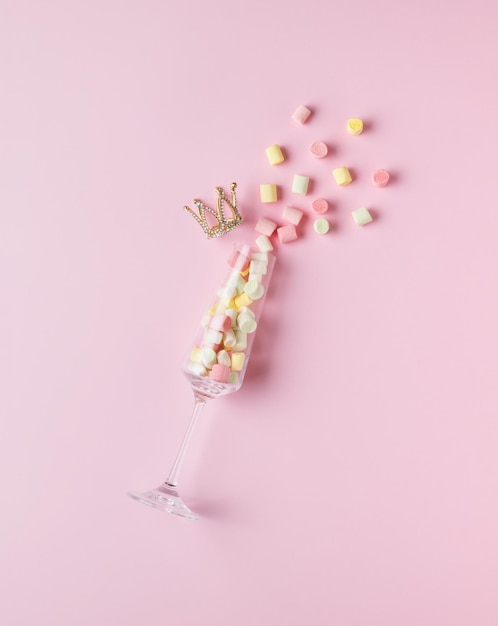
x=353, y=478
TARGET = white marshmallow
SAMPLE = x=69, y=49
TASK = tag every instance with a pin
x=241, y=340
x=213, y=336
x=264, y=244
x=246, y=323
x=229, y=339
x=258, y=267
x=223, y=358
x=232, y=314
x=208, y=357
x=197, y=368
x=206, y=320
x=237, y=281
x=233, y=378
x=254, y=289
x=257, y=277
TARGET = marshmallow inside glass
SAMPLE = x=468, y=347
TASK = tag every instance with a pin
x=216, y=362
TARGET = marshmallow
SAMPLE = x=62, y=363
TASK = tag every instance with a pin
x=287, y=233
x=195, y=355
x=380, y=178
x=232, y=314
x=208, y=357
x=274, y=155
x=355, y=126
x=300, y=184
x=223, y=358
x=220, y=373
x=238, y=359
x=265, y=226
x=233, y=378
x=213, y=336
x=301, y=114
x=240, y=340
x=342, y=176
x=268, y=192
x=321, y=226
x=258, y=266
x=260, y=256
x=220, y=322
x=257, y=277
x=242, y=300
x=264, y=244
x=319, y=149
x=239, y=260
x=205, y=320
x=236, y=281
x=254, y=289
x=229, y=339
x=246, y=323
x=197, y=368
x=292, y=215
x=320, y=205
x=362, y=216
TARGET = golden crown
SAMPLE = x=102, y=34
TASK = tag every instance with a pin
x=224, y=225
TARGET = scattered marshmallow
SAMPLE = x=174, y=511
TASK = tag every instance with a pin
x=287, y=233
x=355, y=126
x=321, y=226
x=319, y=149
x=265, y=226
x=268, y=192
x=300, y=184
x=320, y=205
x=292, y=215
x=362, y=216
x=264, y=244
x=301, y=114
x=342, y=176
x=274, y=155
x=380, y=178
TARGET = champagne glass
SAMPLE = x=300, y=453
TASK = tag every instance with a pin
x=217, y=360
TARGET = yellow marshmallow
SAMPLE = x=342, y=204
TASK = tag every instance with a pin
x=342, y=176
x=268, y=192
x=242, y=300
x=195, y=355
x=274, y=155
x=355, y=126
x=238, y=359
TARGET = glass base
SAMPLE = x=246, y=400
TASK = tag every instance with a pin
x=165, y=498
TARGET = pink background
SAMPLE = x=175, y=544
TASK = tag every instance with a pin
x=352, y=481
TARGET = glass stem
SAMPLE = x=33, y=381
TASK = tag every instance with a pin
x=172, y=479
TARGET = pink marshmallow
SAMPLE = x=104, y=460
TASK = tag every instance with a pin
x=220, y=373
x=380, y=178
x=320, y=205
x=265, y=226
x=292, y=215
x=287, y=233
x=319, y=149
x=301, y=114
x=239, y=261
x=220, y=322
